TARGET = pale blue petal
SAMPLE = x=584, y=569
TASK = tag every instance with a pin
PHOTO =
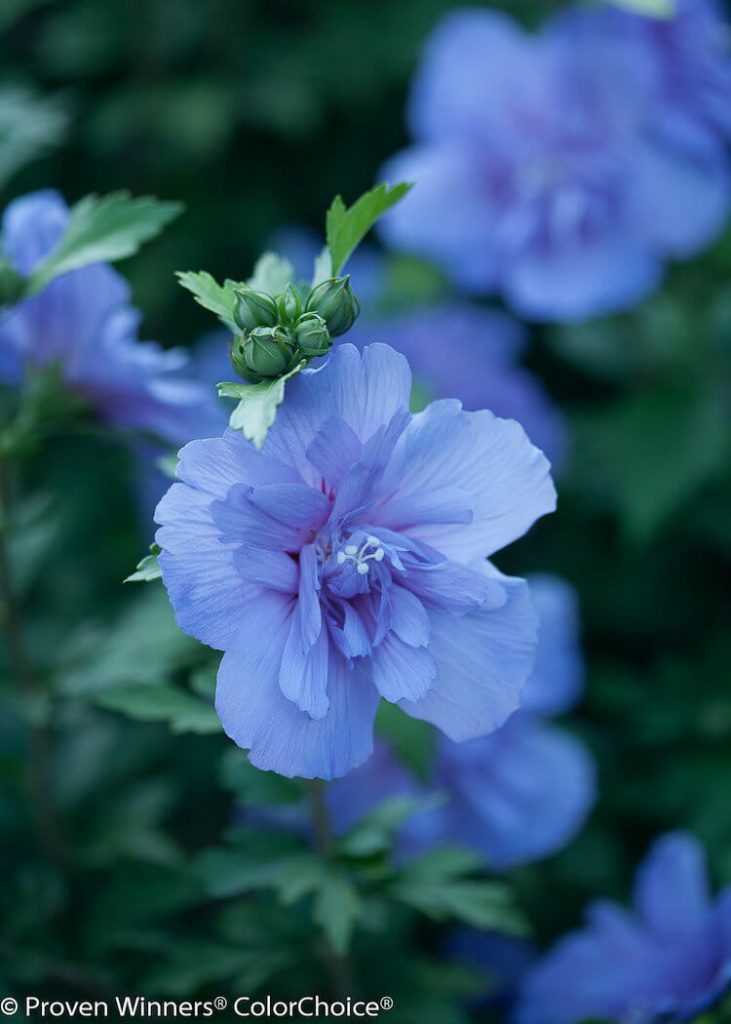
x=409, y=619
x=258, y=717
x=198, y=569
x=293, y=505
x=483, y=659
x=491, y=460
x=401, y=672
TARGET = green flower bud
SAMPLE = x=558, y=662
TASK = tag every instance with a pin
x=334, y=301
x=290, y=304
x=263, y=353
x=11, y=283
x=312, y=335
x=255, y=309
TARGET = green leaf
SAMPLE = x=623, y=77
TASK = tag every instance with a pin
x=30, y=125
x=148, y=568
x=180, y=710
x=219, y=299
x=232, y=871
x=435, y=885
x=337, y=909
x=272, y=274
x=258, y=404
x=651, y=8
x=103, y=229
x=323, y=266
x=374, y=833
x=346, y=227
x=656, y=449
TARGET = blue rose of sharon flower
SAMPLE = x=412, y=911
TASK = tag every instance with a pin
x=540, y=172
x=83, y=323
x=671, y=957
x=345, y=562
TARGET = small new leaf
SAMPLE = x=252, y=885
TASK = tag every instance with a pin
x=148, y=568
x=207, y=292
x=272, y=274
x=103, y=229
x=258, y=403
x=346, y=227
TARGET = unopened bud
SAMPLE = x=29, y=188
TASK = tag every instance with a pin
x=312, y=335
x=334, y=301
x=255, y=309
x=290, y=304
x=263, y=353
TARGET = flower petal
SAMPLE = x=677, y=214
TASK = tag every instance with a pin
x=483, y=659
x=364, y=389
x=198, y=569
x=401, y=672
x=491, y=460
x=671, y=888
x=257, y=716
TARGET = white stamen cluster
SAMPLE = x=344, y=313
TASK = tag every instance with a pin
x=361, y=556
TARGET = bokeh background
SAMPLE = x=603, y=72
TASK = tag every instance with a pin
x=254, y=114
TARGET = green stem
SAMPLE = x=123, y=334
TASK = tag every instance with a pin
x=339, y=965
x=39, y=755
x=321, y=828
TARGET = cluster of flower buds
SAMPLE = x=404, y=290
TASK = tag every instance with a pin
x=278, y=332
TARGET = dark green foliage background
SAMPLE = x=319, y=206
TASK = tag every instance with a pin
x=255, y=114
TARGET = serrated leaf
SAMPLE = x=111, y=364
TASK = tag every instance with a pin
x=337, y=909
x=103, y=229
x=258, y=404
x=180, y=710
x=474, y=902
x=207, y=292
x=272, y=274
x=346, y=227
x=148, y=568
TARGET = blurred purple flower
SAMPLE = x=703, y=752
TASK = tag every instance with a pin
x=345, y=562
x=83, y=323
x=514, y=796
x=538, y=171
x=686, y=58
x=670, y=957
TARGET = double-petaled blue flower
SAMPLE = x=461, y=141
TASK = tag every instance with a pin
x=514, y=796
x=668, y=959
x=543, y=171
x=346, y=561
x=83, y=324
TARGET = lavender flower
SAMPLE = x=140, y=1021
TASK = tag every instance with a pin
x=83, y=323
x=539, y=171
x=670, y=956
x=345, y=562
